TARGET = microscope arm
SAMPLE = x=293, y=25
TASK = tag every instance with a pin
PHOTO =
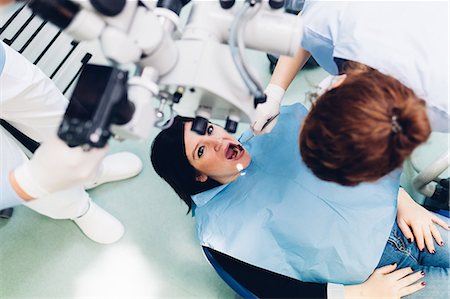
x=199, y=63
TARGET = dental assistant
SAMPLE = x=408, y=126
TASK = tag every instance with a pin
x=52, y=183
x=405, y=40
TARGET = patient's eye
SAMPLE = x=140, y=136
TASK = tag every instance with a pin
x=200, y=151
x=210, y=129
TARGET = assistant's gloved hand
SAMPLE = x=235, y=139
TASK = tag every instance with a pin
x=267, y=110
x=55, y=166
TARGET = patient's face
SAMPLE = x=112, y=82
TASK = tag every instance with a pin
x=216, y=154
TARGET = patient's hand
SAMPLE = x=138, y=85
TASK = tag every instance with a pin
x=387, y=283
x=418, y=223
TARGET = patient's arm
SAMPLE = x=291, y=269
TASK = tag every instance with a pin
x=417, y=223
x=267, y=284
x=386, y=283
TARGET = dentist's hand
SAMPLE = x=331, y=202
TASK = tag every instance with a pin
x=54, y=167
x=268, y=110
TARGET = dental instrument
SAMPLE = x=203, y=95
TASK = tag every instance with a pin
x=263, y=127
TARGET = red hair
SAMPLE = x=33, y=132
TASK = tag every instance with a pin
x=362, y=129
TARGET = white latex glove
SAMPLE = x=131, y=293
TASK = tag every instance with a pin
x=267, y=110
x=387, y=283
x=55, y=166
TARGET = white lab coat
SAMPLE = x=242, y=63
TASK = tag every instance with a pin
x=406, y=40
x=31, y=102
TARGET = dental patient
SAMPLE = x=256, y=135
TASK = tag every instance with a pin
x=259, y=203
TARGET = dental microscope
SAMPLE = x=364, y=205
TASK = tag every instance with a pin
x=201, y=65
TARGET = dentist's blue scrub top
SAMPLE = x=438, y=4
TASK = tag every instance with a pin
x=280, y=217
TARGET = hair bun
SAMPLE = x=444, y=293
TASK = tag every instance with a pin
x=410, y=127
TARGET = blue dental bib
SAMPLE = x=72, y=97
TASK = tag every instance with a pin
x=280, y=217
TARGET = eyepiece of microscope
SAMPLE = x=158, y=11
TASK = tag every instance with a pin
x=199, y=125
x=231, y=125
x=227, y=4
x=109, y=8
x=58, y=12
x=173, y=5
x=260, y=100
x=178, y=94
x=276, y=4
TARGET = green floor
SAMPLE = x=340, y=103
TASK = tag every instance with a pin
x=159, y=256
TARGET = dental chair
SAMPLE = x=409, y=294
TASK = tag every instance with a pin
x=252, y=282
x=426, y=174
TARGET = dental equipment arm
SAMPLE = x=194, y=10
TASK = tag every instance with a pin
x=215, y=82
x=130, y=33
x=422, y=181
x=198, y=67
x=200, y=63
x=104, y=100
x=98, y=102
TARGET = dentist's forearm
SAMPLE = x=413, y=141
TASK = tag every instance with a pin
x=16, y=187
x=3, y=2
x=9, y=197
x=288, y=67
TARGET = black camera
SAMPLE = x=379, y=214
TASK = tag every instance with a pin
x=99, y=100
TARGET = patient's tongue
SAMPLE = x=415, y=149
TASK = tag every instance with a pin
x=230, y=152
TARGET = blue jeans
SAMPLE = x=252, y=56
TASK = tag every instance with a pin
x=436, y=266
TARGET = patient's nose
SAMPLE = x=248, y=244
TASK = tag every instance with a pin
x=217, y=143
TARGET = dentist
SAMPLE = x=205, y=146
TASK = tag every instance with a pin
x=53, y=181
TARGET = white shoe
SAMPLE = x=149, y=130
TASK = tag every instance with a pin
x=117, y=167
x=100, y=226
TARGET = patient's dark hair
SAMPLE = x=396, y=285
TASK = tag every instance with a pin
x=362, y=129
x=168, y=156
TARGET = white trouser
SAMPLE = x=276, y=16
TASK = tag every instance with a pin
x=31, y=102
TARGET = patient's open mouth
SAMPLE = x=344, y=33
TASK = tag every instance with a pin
x=234, y=151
